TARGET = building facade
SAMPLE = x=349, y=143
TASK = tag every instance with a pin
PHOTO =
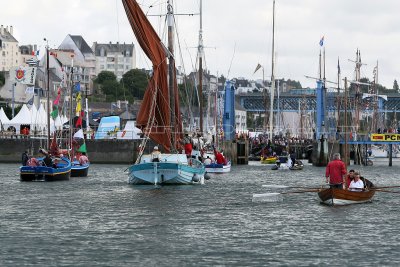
x=117, y=58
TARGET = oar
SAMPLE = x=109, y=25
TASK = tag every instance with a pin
x=385, y=191
x=380, y=187
x=274, y=197
x=275, y=186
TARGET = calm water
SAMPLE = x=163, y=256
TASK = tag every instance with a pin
x=103, y=221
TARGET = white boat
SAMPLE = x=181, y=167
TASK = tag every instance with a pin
x=159, y=114
x=218, y=168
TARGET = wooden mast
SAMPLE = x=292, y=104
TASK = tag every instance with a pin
x=171, y=73
x=48, y=95
x=345, y=121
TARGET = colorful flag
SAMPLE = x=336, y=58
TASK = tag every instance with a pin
x=257, y=68
x=321, y=42
x=35, y=53
x=78, y=104
x=77, y=87
x=78, y=122
x=82, y=148
x=54, y=113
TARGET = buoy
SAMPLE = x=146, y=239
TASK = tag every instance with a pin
x=207, y=176
x=195, y=178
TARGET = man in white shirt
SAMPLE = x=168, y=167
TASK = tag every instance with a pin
x=357, y=184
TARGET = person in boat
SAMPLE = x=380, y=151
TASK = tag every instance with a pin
x=356, y=184
x=207, y=161
x=293, y=158
x=33, y=162
x=83, y=159
x=25, y=158
x=188, y=146
x=219, y=158
x=349, y=178
x=335, y=171
x=47, y=160
x=155, y=155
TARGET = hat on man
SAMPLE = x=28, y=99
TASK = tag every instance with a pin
x=156, y=148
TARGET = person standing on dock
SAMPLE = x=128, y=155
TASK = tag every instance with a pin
x=335, y=171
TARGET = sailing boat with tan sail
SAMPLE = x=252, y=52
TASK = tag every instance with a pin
x=159, y=114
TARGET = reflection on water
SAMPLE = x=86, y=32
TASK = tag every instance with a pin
x=103, y=221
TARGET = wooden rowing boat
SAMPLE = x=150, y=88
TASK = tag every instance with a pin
x=335, y=196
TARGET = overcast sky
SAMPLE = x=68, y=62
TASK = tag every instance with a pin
x=237, y=31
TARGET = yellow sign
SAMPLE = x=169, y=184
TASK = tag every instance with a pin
x=388, y=137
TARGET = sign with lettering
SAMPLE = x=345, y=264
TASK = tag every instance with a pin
x=25, y=75
x=388, y=137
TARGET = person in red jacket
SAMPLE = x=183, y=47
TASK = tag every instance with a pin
x=335, y=171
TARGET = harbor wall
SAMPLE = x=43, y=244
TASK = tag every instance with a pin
x=99, y=151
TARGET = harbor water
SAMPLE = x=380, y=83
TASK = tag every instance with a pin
x=103, y=221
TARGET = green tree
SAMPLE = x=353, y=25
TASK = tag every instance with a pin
x=112, y=88
x=396, y=86
x=135, y=81
x=105, y=76
x=2, y=79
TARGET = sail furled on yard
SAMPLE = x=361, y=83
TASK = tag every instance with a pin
x=155, y=104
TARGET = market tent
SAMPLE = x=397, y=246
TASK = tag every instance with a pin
x=3, y=116
x=22, y=118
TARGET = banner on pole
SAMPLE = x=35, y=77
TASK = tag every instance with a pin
x=24, y=75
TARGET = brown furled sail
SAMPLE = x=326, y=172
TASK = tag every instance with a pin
x=157, y=89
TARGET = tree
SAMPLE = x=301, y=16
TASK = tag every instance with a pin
x=396, y=86
x=135, y=81
x=112, y=87
x=105, y=76
x=2, y=79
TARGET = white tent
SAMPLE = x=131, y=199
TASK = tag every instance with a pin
x=3, y=118
x=22, y=118
x=130, y=131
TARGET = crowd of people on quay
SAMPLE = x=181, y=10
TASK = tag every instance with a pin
x=262, y=145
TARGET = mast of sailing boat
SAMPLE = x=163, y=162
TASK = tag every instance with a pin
x=200, y=55
x=48, y=93
x=70, y=107
x=271, y=112
x=171, y=74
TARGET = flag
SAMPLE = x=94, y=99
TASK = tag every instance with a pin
x=321, y=42
x=54, y=54
x=79, y=134
x=58, y=97
x=82, y=148
x=30, y=102
x=78, y=122
x=54, y=113
x=35, y=53
x=257, y=68
x=30, y=90
x=77, y=87
x=24, y=75
x=78, y=104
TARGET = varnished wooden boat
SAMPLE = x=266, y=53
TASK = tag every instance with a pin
x=334, y=196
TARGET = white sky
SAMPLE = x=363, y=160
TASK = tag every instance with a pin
x=241, y=25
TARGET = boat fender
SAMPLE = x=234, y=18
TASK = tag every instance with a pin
x=207, y=176
x=195, y=178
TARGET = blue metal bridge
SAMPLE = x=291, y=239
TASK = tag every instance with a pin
x=257, y=103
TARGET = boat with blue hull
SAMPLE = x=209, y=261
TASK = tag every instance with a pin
x=218, y=168
x=78, y=170
x=58, y=172
x=172, y=169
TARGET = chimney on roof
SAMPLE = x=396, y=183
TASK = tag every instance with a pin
x=2, y=30
x=110, y=42
x=11, y=30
